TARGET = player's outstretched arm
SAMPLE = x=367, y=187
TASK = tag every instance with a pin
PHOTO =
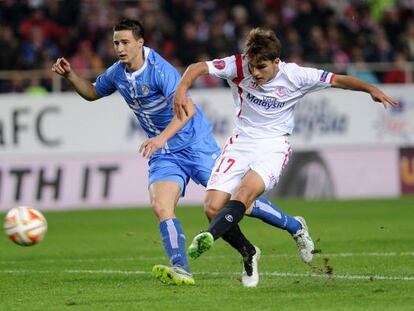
x=181, y=105
x=150, y=145
x=352, y=83
x=82, y=86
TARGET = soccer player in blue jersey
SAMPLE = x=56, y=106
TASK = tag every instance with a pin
x=177, y=149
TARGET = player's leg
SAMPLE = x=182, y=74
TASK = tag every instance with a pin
x=250, y=188
x=226, y=213
x=263, y=209
x=167, y=183
x=203, y=241
x=250, y=254
x=268, y=212
x=270, y=171
x=213, y=202
x=164, y=197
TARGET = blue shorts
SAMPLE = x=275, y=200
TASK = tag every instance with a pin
x=195, y=162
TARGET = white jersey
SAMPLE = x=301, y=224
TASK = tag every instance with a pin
x=266, y=110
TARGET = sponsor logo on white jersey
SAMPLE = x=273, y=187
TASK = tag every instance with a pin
x=267, y=102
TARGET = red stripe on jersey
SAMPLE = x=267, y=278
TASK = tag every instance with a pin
x=239, y=78
x=331, y=79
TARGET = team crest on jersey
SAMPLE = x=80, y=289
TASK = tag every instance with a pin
x=219, y=64
x=253, y=85
x=281, y=92
x=144, y=89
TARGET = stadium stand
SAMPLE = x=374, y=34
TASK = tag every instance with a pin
x=373, y=40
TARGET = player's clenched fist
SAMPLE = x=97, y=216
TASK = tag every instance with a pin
x=61, y=67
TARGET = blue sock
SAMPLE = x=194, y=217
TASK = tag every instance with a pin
x=173, y=239
x=271, y=214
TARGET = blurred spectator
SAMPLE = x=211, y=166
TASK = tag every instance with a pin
x=304, y=19
x=219, y=44
x=382, y=49
x=32, y=33
x=86, y=59
x=207, y=81
x=16, y=84
x=106, y=51
x=241, y=19
x=292, y=44
x=35, y=88
x=48, y=29
x=359, y=68
x=398, y=73
x=410, y=39
x=10, y=49
x=202, y=27
x=35, y=46
x=13, y=12
x=317, y=46
x=392, y=24
x=188, y=47
x=63, y=12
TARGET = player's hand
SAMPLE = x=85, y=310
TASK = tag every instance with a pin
x=151, y=145
x=181, y=107
x=62, y=67
x=378, y=96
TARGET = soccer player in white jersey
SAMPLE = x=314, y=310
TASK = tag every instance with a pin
x=265, y=90
x=177, y=149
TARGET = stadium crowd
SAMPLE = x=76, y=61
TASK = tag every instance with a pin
x=348, y=34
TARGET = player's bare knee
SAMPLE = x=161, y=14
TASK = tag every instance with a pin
x=210, y=208
x=244, y=195
x=162, y=211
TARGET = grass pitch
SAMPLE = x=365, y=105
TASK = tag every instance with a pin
x=101, y=260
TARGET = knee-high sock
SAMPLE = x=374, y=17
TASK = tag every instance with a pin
x=271, y=214
x=227, y=218
x=237, y=240
x=173, y=238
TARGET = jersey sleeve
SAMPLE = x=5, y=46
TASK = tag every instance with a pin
x=104, y=85
x=224, y=68
x=309, y=79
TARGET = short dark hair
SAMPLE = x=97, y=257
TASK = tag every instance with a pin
x=133, y=25
x=262, y=44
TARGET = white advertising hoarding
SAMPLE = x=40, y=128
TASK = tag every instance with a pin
x=52, y=147
x=65, y=123
x=62, y=182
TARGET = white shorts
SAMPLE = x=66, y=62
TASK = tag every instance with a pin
x=267, y=157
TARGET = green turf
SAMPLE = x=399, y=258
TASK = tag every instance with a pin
x=102, y=259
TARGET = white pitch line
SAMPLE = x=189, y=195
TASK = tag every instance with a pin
x=270, y=274
x=155, y=258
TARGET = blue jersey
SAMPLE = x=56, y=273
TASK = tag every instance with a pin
x=149, y=92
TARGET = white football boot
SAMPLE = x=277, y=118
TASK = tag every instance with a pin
x=304, y=241
x=250, y=276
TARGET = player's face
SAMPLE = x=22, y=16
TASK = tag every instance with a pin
x=127, y=48
x=263, y=71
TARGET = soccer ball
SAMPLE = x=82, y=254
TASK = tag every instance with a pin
x=25, y=226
